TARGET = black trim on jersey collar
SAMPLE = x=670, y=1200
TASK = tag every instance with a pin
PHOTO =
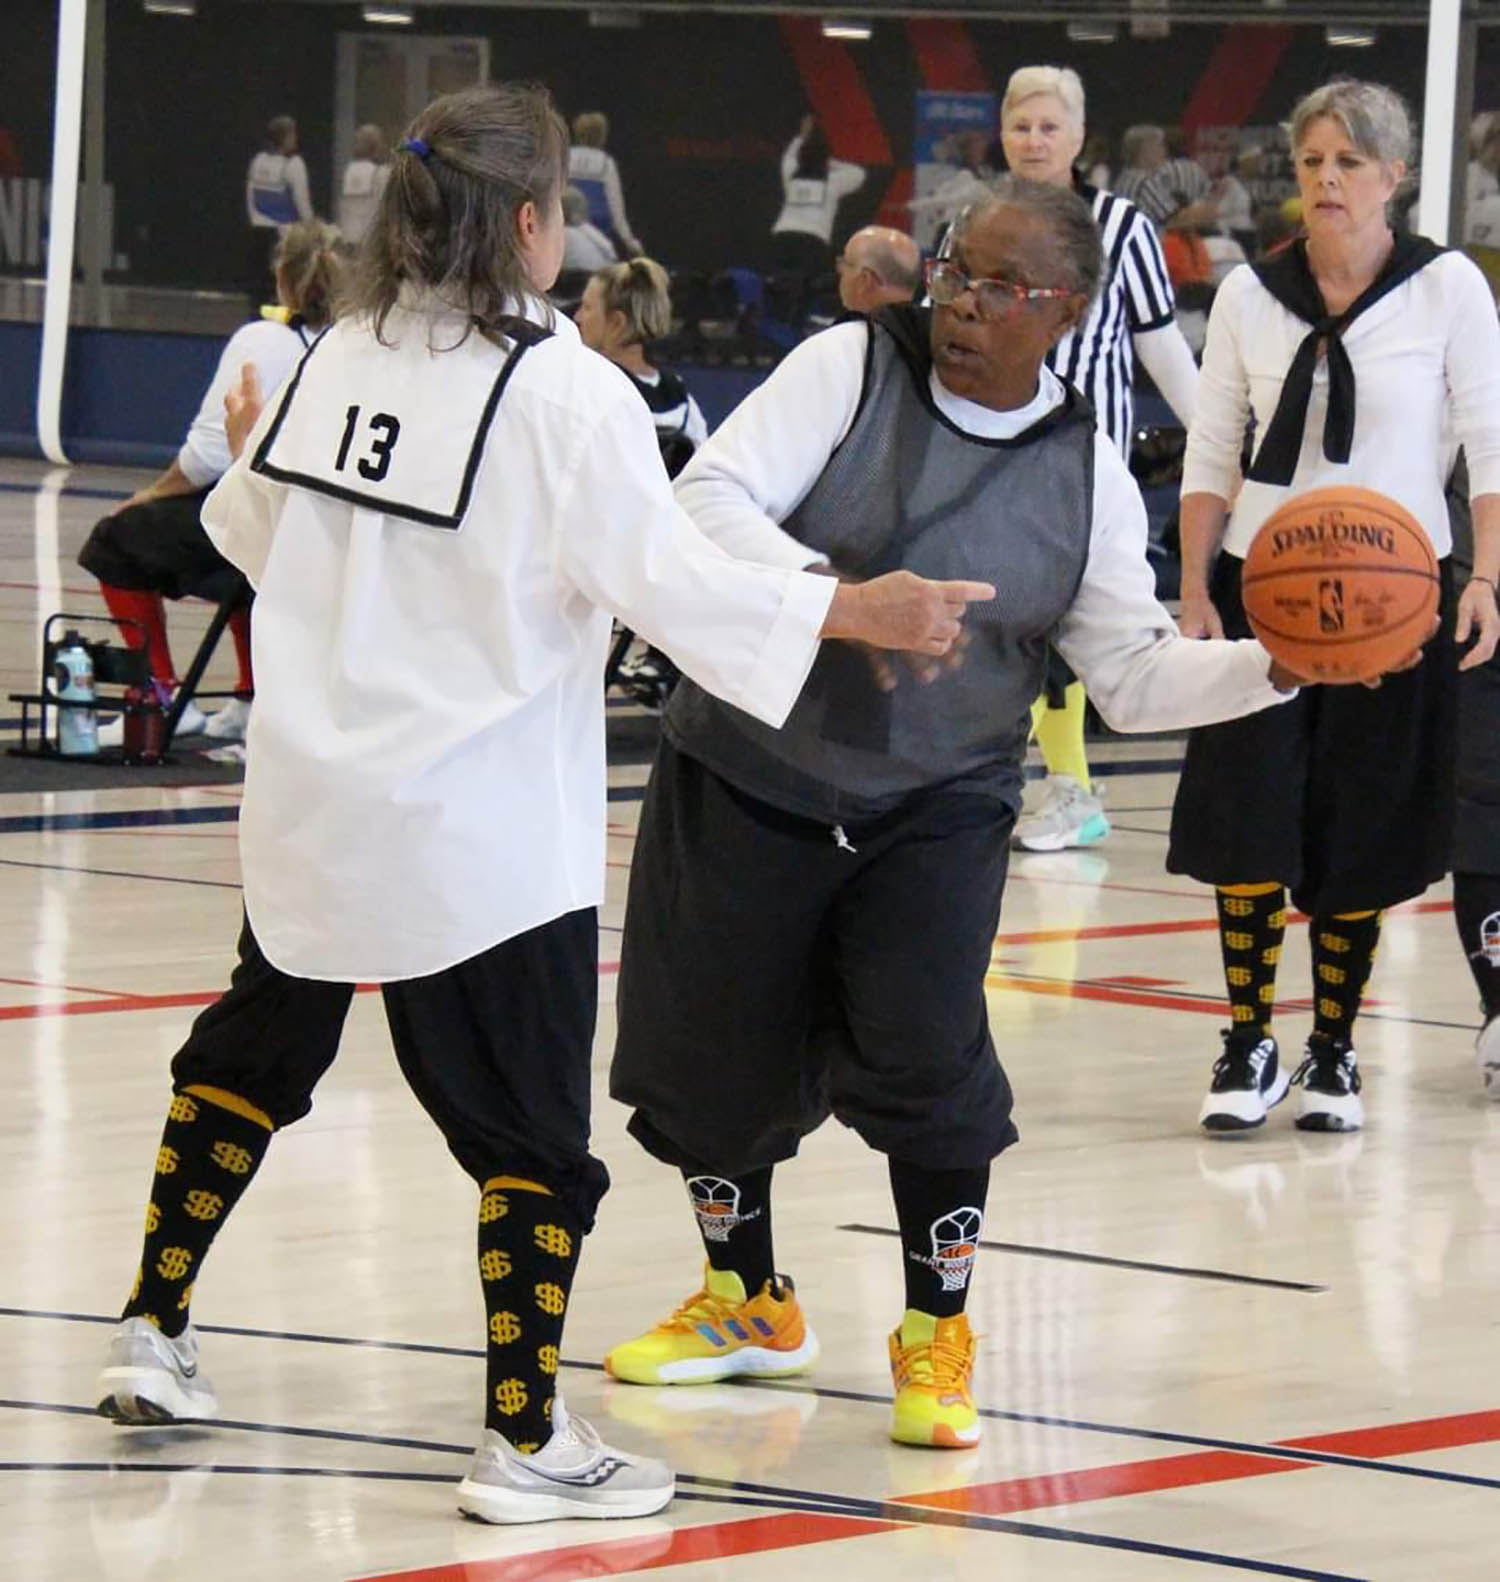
x=525, y=335
x=910, y=328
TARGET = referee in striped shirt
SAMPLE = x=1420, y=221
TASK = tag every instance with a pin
x=1041, y=125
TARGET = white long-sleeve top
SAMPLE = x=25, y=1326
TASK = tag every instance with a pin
x=426, y=773
x=759, y=464
x=596, y=175
x=359, y=197
x=810, y=204
x=1426, y=362
x=276, y=191
x=274, y=348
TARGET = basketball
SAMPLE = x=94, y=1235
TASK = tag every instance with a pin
x=1340, y=584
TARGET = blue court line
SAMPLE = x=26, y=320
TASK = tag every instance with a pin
x=117, y=873
x=68, y=489
x=1115, y=1430
x=139, y=818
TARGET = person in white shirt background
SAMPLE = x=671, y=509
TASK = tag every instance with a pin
x=154, y=546
x=436, y=512
x=364, y=180
x=1042, y=129
x=585, y=247
x=813, y=184
x=593, y=171
x=1365, y=356
x=276, y=194
x=812, y=911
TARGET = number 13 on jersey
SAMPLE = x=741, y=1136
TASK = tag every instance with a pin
x=383, y=430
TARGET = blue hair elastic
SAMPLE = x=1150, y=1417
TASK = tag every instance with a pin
x=415, y=145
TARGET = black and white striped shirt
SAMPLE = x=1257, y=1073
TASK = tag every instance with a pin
x=1135, y=296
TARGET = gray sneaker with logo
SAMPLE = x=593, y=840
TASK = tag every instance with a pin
x=150, y=1377
x=574, y=1475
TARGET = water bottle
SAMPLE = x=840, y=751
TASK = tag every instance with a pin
x=73, y=681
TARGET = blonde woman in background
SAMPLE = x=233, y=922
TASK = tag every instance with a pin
x=1042, y=128
x=364, y=180
x=594, y=173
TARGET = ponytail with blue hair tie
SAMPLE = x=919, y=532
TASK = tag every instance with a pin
x=415, y=145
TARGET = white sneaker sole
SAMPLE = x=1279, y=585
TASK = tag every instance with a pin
x=749, y=1362
x=487, y=1502
x=1330, y=1112
x=1070, y=840
x=150, y=1395
x=1243, y=1111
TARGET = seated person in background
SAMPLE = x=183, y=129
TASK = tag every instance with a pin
x=878, y=268
x=625, y=308
x=597, y=177
x=585, y=247
x=154, y=546
x=364, y=180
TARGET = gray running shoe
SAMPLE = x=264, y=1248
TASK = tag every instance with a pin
x=150, y=1377
x=574, y=1475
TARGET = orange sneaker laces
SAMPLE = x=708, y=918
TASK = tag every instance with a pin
x=934, y=1365
x=704, y=1306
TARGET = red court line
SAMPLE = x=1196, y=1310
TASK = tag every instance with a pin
x=1104, y=1483
x=760, y=1535
x=71, y=988
x=683, y=1546
x=155, y=1002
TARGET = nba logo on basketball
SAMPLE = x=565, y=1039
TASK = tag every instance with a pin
x=1331, y=605
x=955, y=1242
x=716, y=1203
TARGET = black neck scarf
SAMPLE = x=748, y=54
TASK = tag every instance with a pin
x=1287, y=276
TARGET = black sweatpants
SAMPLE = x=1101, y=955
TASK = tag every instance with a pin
x=772, y=975
x=496, y=1049
x=159, y=546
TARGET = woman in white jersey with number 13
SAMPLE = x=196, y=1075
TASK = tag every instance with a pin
x=438, y=511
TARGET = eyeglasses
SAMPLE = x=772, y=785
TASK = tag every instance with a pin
x=993, y=298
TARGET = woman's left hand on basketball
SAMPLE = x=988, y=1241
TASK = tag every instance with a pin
x=1478, y=618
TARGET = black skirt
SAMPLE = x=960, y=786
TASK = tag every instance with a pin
x=1476, y=829
x=1345, y=794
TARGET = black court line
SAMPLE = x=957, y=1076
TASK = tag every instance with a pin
x=1138, y=829
x=1120, y=1263
x=140, y=818
x=117, y=873
x=1077, y=1425
x=810, y=1504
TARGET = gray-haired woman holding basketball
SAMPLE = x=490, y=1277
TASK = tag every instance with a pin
x=1344, y=797
x=438, y=511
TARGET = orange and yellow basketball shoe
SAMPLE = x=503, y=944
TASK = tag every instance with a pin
x=932, y=1366
x=720, y=1333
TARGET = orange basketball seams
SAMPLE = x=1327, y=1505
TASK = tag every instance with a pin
x=1340, y=584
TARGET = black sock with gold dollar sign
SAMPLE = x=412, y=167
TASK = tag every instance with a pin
x=211, y=1146
x=528, y=1253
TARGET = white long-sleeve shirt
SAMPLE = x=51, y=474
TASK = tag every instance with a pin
x=810, y=204
x=597, y=177
x=759, y=464
x=1426, y=362
x=276, y=191
x=426, y=771
x=275, y=349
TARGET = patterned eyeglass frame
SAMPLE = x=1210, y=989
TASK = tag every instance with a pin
x=1009, y=289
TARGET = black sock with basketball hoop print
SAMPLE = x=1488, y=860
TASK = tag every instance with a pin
x=1476, y=911
x=941, y=1215
x=1252, y=924
x=211, y=1146
x=528, y=1253
x=1343, y=951
x=734, y=1220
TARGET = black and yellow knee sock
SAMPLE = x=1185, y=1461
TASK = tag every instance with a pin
x=1252, y=924
x=1343, y=951
x=528, y=1253
x=211, y=1146
x=734, y=1220
x=941, y=1215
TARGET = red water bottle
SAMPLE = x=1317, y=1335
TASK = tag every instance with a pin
x=145, y=726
